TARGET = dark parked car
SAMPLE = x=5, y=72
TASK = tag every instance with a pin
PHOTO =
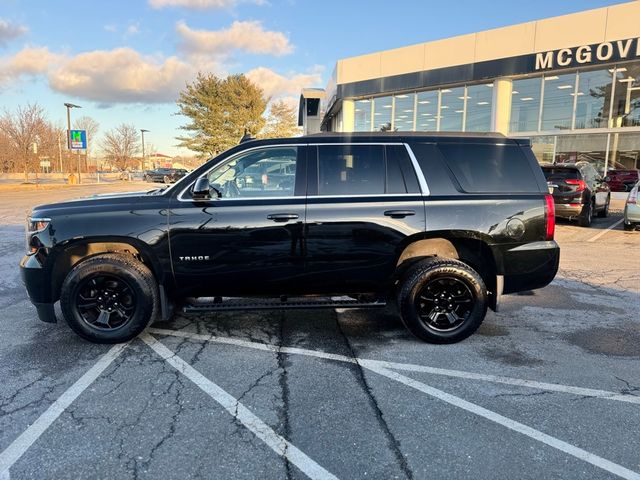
x=165, y=175
x=442, y=225
x=622, y=180
x=579, y=192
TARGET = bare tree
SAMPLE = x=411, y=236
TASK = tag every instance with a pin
x=121, y=144
x=23, y=129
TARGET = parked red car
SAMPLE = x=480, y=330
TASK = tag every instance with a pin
x=622, y=180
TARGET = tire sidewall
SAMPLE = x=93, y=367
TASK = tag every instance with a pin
x=146, y=299
x=421, y=276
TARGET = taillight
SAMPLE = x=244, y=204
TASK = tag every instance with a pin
x=550, y=215
x=633, y=196
x=580, y=183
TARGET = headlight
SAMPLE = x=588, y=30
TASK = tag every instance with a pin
x=35, y=225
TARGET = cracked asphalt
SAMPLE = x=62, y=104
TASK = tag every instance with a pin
x=143, y=418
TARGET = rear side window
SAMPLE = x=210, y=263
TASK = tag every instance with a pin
x=558, y=174
x=490, y=168
x=351, y=169
x=401, y=177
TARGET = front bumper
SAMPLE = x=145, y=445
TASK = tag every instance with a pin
x=38, y=284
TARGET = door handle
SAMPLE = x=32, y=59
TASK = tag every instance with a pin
x=282, y=217
x=399, y=213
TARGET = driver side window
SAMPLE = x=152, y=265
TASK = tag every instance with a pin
x=262, y=173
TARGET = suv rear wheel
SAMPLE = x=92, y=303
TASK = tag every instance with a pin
x=442, y=300
x=109, y=298
x=585, y=217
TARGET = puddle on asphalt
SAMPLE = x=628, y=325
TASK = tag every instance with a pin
x=618, y=342
x=513, y=357
x=492, y=330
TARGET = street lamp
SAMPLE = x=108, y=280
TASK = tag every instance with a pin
x=142, y=130
x=69, y=107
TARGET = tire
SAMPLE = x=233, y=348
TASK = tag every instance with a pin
x=86, y=298
x=584, y=220
x=437, y=277
x=604, y=213
x=628, y=226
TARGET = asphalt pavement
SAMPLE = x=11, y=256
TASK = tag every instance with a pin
x=547, y=388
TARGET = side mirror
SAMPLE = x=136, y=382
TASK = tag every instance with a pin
x=607, y=179
x=201, y=189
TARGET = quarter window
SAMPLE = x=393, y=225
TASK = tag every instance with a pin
x=351, y=170
x=268, y=172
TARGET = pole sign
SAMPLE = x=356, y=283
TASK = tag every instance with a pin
x=78, y=139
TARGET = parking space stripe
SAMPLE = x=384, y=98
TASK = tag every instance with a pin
x=519, y=382
x=21, y=444
x=277, y=443
x=561, y=445
x=611, y=227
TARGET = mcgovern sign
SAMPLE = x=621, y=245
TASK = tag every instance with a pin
x=615, y=51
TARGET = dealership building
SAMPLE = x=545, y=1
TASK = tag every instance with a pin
x=570, y=83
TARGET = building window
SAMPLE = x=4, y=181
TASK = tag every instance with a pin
x=382, y=107
x=451, y=109
x=525, y=105
x=362, y=115
x=427, y=111
x=479, y=105
x=403, y=112
x=557, y=105
x=624, y=151
x=594, y=94
x=626, y=100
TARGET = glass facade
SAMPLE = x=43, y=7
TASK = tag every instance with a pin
x=557, y=103
x=525, y=104
x=594, y=92
x=465, y=108
x=362, y=120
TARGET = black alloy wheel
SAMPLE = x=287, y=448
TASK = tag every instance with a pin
x=109, y=298
x=442, y=300
x=444, y=303
x=105, y=302
x=584, y=220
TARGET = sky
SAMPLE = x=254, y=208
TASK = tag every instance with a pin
x=126, y=60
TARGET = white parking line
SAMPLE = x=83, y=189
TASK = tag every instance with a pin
x=565, y=447
x=21, y=444
x=611, y=227
x=519, y=382
x=277, y=443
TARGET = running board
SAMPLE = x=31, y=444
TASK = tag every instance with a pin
x=234, y=304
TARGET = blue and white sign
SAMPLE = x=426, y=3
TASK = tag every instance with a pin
x=78, y=139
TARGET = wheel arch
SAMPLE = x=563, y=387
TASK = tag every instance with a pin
x=78, y=250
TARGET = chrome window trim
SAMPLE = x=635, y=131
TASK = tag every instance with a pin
x=422, y=181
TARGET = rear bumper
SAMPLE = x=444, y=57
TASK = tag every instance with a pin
x=530, y=266
x=38, y=284
x=631, y=214
x=565, y=210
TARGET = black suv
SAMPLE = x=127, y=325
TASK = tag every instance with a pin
x=441, y=225
x=165, y=175
x=578, y=191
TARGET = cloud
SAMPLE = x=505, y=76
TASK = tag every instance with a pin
x=249, y=37
x=10, y=31
x=121, y=76
x=201, y=4
x=276, y=85
x=29, y=61
x=110, y=28
x=132, y=29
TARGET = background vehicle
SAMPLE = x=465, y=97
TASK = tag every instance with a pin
x=622, y=180
x=579, y=192
x=442, y=225
x=166, y=175
x=632, y=209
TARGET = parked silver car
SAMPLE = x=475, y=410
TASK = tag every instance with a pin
x=632, y=209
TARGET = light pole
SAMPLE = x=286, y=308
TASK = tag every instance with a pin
x=142, y=130
x=69, y=107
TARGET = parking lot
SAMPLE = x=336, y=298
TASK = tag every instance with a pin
x=549, y=387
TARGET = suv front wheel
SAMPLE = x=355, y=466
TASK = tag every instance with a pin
x=109, y=298
x=442, y=300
